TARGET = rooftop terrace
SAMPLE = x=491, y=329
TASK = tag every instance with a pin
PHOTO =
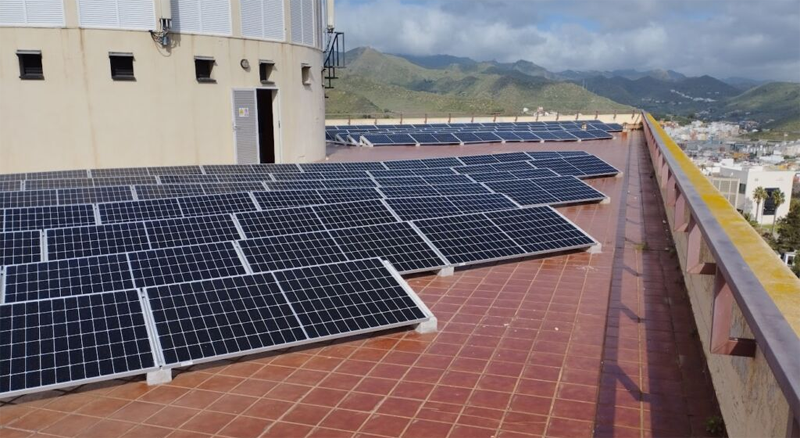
x=570, y=345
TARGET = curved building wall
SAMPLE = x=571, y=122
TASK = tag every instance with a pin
x=79, y=117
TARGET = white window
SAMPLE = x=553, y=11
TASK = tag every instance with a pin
x=303, y=20
x=117, y=14
x=212, y=17
x=263, y=19
x=40, y=13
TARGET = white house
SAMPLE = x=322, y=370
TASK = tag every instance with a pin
x=751, y=178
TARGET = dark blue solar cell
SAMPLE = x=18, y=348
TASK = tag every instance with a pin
x=424, y=138
x=546, y=136
x=488, y=137
x=508, y=136
x=377, y=139
x=446, y=139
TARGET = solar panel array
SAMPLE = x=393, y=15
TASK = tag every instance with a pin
x=196, y=278
x=468, y=133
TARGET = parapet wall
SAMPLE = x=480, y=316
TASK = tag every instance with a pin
x=631, y=119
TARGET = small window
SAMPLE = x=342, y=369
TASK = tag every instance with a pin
x=203, y=67
x=305, y=71
x=30, y=64
x=742, y=188
x=121, y=66
x=265, y=71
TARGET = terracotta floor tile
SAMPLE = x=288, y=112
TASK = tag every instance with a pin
x=288, y=392
x=232, y=404
x=427, y=429
x=329, y=433
x=464, y=431
x=137, y=411
x=103, y=407
x=269, y=409
x=360, y=402
x=113, y=429
x=489, y=399
x=198, y=399
x=286, y=430
x=145, y=431
x=574, y=410
x=375, y=386
x=70, y=425
x=384, y=425
x=306, y=414
x=344, y=420
x=564, y=428
x=450, y=394
x=171, y=416
x=460, y=378
x=245, y=427
x=414, y=390
x=324, y=397
x=400, y=407
x=524, y=423
x=208, y=422
x=164, y=394
x=530, y=404
x=220, y=383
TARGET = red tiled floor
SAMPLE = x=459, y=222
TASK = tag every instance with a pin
x=518, y=352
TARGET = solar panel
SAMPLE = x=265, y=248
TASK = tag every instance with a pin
x=124, y=181
x=490, y=137
x=354, y=214
x=467, y=137
x=468, y=239
x=58, y=174
x=532, y=173
x=349, y=297
x=111, y=173
x=401, y=181
x=476, y=168
x=402, y=139
x=47, y=184
x=420, y=208
x=93, y=195
x=447, y=179
x=590, y=165
x=348, y=183
x=287, y=198
x=508, y=136
x=274, y=168
x=547, y=136
x=422, y=138
x=569, y=189
x=523, y=192
x=543, y=155
x=188, y=179
x=304, y=176
x=397, y=242
x=363, y=166
x=480, y=159
x=136, y=211
x=291, y=251
x=28, y=198
x=446, y=139
x=432, y=171
x=9, y=186
x=295, y=185
x=527, y=135
x=411, y=191
x=540, y=229
x=494, y=176
x=479, y=203
x=433, y=163
x=600, y=135
x=572, y=153
x=377, y=139
x=232, y=187
x=614, y=127
x=243, y=177
x=61, y=278
x=216, y=204
x=516, y=165
x=559, y=166
x=168, y=191
x=322, y=167
x=405, y=164
x=67, y=341
x=564, y=135
x=215, y=318
x=511, y=157
x=213, y=169
x=185, y=263
x=350, y=174
x=68, y=243
x=39, y=218
x=332, y=196
x=20, y=247
x=461, y=189
x=168, y=233
x=583, y=135
x=279, y=222
x=175, y=170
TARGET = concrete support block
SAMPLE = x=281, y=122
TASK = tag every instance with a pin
x=159, y=377
x=606, y=200
x=595, y=249
x=429, y=326
x=446, y=272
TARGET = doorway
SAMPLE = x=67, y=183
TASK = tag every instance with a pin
x=266, y=125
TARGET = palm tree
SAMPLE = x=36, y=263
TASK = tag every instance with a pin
x=778, y=198
x=759, y=195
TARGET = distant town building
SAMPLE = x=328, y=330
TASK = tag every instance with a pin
x=753, y=177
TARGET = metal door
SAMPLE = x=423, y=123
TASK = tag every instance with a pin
x=245, y=126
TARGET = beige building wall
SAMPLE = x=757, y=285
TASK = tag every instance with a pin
x=78, y=117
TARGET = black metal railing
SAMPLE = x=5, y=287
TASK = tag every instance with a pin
x=334, y=58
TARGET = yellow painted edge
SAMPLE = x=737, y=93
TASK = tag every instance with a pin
x=775, y=277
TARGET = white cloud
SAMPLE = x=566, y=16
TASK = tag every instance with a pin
x=759, y=39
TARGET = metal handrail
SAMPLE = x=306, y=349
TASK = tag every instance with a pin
x=773, y=334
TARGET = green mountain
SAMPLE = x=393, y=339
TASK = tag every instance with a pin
x=374, y=82
x=775, y=103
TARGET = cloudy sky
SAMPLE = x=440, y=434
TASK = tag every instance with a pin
x=758, y=39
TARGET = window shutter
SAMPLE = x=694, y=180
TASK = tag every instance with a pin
x=308, y=22
x=185, y=15
x=117, y=14
x=215, y=17
x=305, y=22
x=263, y=19
x=45, y=13
x=297, y=21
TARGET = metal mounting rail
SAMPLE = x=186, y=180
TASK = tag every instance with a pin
x=743, y=268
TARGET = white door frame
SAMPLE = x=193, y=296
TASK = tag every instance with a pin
x=277, y=136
